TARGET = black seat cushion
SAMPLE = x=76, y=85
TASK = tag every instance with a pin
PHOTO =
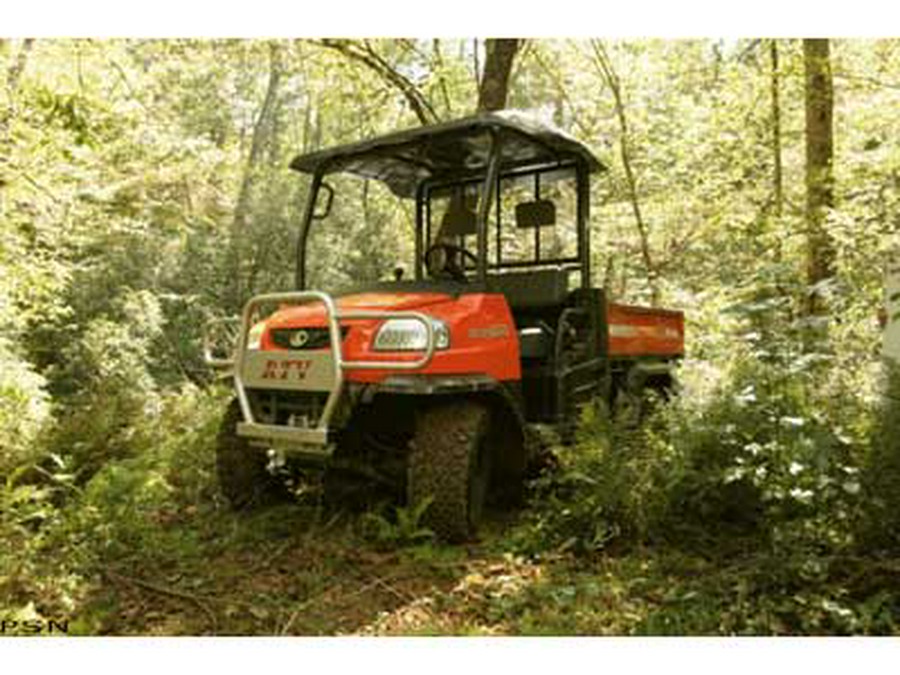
x=538, y=289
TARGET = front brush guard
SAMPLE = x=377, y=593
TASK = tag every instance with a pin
x=311, y=370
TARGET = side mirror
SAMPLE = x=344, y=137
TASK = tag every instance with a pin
x=539, y=213
x=329, y=198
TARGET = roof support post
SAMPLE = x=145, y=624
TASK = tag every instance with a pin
x=488, y=195
x=303, y=234
x=421, y=243
x=583, y=220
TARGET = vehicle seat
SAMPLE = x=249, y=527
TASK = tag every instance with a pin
x=536, y=290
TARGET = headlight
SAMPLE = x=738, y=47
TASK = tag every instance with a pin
x=254, y=336
x=402, y=335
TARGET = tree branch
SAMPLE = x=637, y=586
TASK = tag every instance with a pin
x=561, y=92
x=18, y=67
x=601, y=59
x=367, y=55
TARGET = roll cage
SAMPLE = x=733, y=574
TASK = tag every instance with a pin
x=480, y=151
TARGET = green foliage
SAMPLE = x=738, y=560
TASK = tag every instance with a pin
x=24, y=411
x=670, y=592
x=140, y=185
x=767, y=455
x=167, y=468
x=880, y=523
x=764, y=456
x=59, y=533
x=607, y=489
x=29, y=514
x=403, y=529
x=114, y=396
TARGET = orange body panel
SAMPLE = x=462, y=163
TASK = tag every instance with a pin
x=483, y=337
x=641, y=331
x=482, y=333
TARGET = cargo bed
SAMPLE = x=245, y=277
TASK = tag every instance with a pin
x=641, y=331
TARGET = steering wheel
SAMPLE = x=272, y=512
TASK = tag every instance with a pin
x=449, y=266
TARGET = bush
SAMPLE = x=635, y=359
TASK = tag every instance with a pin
x=612, y=486
x=24, y=411
x=880, y=522
x=127, y=502
x=766, y=456
x=57, y=533
x=114, y=399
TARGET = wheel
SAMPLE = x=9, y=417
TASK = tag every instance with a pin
x=241, y=467
x=450, y=463
x=628, y=408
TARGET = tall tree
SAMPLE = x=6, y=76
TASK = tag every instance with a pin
x=777, y=179
x=819, y=170
x=263, y=131
x=601, y=59
x=493, y=89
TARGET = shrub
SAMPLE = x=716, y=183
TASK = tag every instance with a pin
x=113, y=398
x=24, y=411
x=610, y=487
x=766, y=456
x=880, y=521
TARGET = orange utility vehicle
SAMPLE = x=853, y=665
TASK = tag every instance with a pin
x=431, y=383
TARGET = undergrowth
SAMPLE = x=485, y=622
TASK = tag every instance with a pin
x=764, y=505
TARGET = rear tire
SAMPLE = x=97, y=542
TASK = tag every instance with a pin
x=450, y=463
x=243, y=477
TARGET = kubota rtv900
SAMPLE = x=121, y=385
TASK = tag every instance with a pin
x=431, y=381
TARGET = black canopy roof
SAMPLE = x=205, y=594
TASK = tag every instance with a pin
x=449, y=150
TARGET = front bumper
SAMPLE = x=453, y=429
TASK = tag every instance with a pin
x=318, y=372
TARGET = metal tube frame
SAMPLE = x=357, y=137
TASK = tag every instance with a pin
x=583, y=216
x=303, y=234
x=208, y=358
x=319, y=434
x=487, y=196
x=582, y=255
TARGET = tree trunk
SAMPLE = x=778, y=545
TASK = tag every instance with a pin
x=777, y=179
x=442, y=76
x=262, y=131
x=498, y=60
x=17, y=68
x=819, y=169
x=7, y=115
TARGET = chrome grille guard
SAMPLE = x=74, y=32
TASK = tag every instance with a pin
x=310, y=370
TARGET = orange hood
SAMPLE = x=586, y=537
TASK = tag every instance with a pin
x=313, y=314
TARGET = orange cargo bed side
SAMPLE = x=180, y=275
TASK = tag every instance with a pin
x=642, y=331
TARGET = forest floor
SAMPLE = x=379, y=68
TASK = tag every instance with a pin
x=283, y=571
x=294, y=570
x=149, y=547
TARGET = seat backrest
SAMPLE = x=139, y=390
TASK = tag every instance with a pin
x=538, y=289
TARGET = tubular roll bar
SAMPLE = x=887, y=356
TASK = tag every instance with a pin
x=319, y=434
x=208, y=357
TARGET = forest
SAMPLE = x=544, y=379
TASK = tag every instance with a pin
x=753, y=184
